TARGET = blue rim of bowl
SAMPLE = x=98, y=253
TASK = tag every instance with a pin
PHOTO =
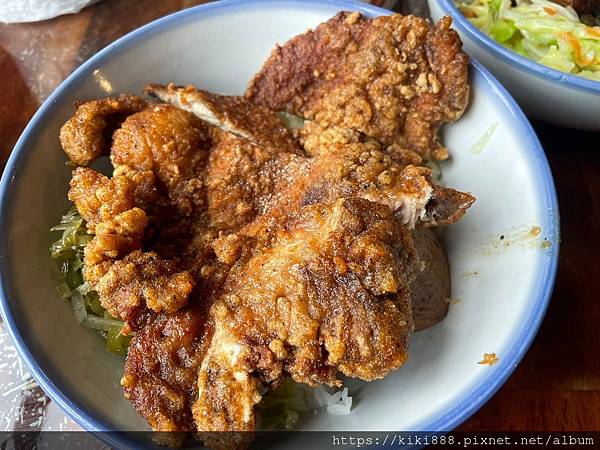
x=477, y=396
x=533, y=68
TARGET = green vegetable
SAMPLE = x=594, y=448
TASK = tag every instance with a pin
x=92, y=304
x=503, y=30
x=541, y=30
x=116, y=342
x=281, y=408
x=68, y=252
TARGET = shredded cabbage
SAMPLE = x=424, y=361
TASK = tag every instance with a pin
x=68, y=254
x=283, y=407
x=541, y=30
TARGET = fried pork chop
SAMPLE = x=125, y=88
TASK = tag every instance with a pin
x=284, y=187
x=232, y=114
x=86, y=136
x=161, y=370
x=396, y=79
x=241, y=255
x=329, y=294
x=340, y=162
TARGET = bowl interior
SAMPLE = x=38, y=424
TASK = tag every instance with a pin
x=500, y=287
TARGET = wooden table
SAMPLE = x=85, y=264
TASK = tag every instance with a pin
x=556, y=387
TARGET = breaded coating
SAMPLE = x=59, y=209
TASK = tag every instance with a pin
x=127, y=280
x=146, y=194
x=342, y=167
x=232, y=114
x=99, y=198
x=393, y=176
x=107, y=205
x=393, y=78
x=361, y=168
x=237, y=180
x=161, y=370
x=170, y=143
x=245, y=179
x=143, y=280
x=87, y=135
x=330, y=294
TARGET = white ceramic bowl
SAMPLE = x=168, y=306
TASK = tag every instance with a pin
x=544, y=93
x=501, y=290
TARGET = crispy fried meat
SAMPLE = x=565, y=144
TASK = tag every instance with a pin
x=329, y=294
x=396, y=79
x=232, y=114
x=241, y=253
x=162, y=368
x=86, y=136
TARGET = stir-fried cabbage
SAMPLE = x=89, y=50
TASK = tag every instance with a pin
x=541, y=30
x=68, y=254
x=280, y=409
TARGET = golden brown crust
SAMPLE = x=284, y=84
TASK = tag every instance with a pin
x=107, y=205
x=86, y=136
x=330, y=293
x=347, y=164
x=99, y=198
x=162, y=367
x=143, y=280
x=230, y=113
x=393, y=78
x=127, y=280
x=239, y=180
x=170, y=143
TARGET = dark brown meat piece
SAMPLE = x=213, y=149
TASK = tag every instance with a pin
x=446, y=206
x=430, y=290
x=394, y=78
x=86, y=136
x=162, y=368
x=329, y=294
